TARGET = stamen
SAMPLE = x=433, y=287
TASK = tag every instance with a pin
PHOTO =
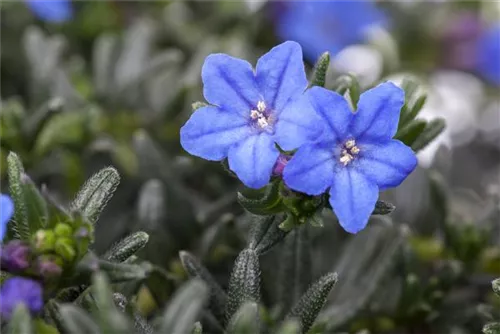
x=262, y=122
x=348, y=152
x=254, y=114
x=261, y=106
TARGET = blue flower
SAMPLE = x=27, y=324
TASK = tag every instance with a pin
x=19, y=290
x=488, y=64
x=55, y=11
x=356, y=157
x=251, y=111
x=321, y=26
x=6, y=212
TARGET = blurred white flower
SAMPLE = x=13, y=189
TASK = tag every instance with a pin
x=456, y=97
x=363, y=61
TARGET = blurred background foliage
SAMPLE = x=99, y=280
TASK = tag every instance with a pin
x=113, y=85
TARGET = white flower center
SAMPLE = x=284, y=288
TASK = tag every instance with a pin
x=348, y=152
x=259, y=115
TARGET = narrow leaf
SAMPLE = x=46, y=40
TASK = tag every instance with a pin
x=295, y=267
x=96, y=193
x=289, y=326
x=184, y=309
x=245, y=320
x=20, y=321
x=347, y=83
x=244, y=284
x=431, y=131
x=266, y=233
x=20, y=225
x=410, y=133
x=77, y=321
x=313, y=300
x=264, y=202
x=217, y=295
x=122, y=272
x=320, y=70
x=36, y=206
x=127, y=247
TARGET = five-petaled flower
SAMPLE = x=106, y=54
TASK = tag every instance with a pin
x=252, y=111
x=16, y=291
x=356, y=156
x=321, y=26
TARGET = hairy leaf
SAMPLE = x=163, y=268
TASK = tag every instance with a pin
x=320, y=70
x=127, y=247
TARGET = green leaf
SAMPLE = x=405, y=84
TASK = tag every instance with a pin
x=313, y=300
x=20, y=321
x=66, y=128
x=246, y=320
x=110, y=319
x=36, y=206
x=127, y=247
x=122, y=272
x=265, y=233
x=20, y=224
x=184, y=309
x=264, y=201
x=495, y=284
x=410, y=133
x=35, y=122
x=217, y=295
x=492, y=328
x=348, y=83
x=295, y=267
x=413, y=102
x=383, y=208
x=244, y=284
x=41, y=327
x=95, y=193
x=77, y=321
x=320, y=70
x=431, y=131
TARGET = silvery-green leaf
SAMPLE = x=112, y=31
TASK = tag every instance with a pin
x=266, y=233
x=104, y=55
x=244, y=284
x=320, y=70
x=195, y=269
x=21, y=224
x=95, y=193
x=77, y=321
x=20, y=321
x=127, y=247
x=184, y=309
x=246, y=320
x=311, y=303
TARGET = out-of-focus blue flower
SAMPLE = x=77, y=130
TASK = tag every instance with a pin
x=55, y=11
x=488, y=54
x=6, y=212
x=321, y=26
x=19, y=290
x=356, y=157
x=251, y=111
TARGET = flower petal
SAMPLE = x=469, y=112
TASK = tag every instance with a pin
x=281, y=74
x=55, y=11
x=229, y=83
x=353, y=198
x=210, y=132
x=378, y=112
x=297, y=124
x=334, y=110
x=253, y=159
x=6, y=212
x=311, y=170
x=387, y=164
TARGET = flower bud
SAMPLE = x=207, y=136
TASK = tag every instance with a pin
x=65, y=248
x=63, y=230
x=280, y=164
x=49, y=266
x=15, y=256
x=44, y=240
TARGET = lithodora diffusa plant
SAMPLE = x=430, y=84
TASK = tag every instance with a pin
x=299, y=147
